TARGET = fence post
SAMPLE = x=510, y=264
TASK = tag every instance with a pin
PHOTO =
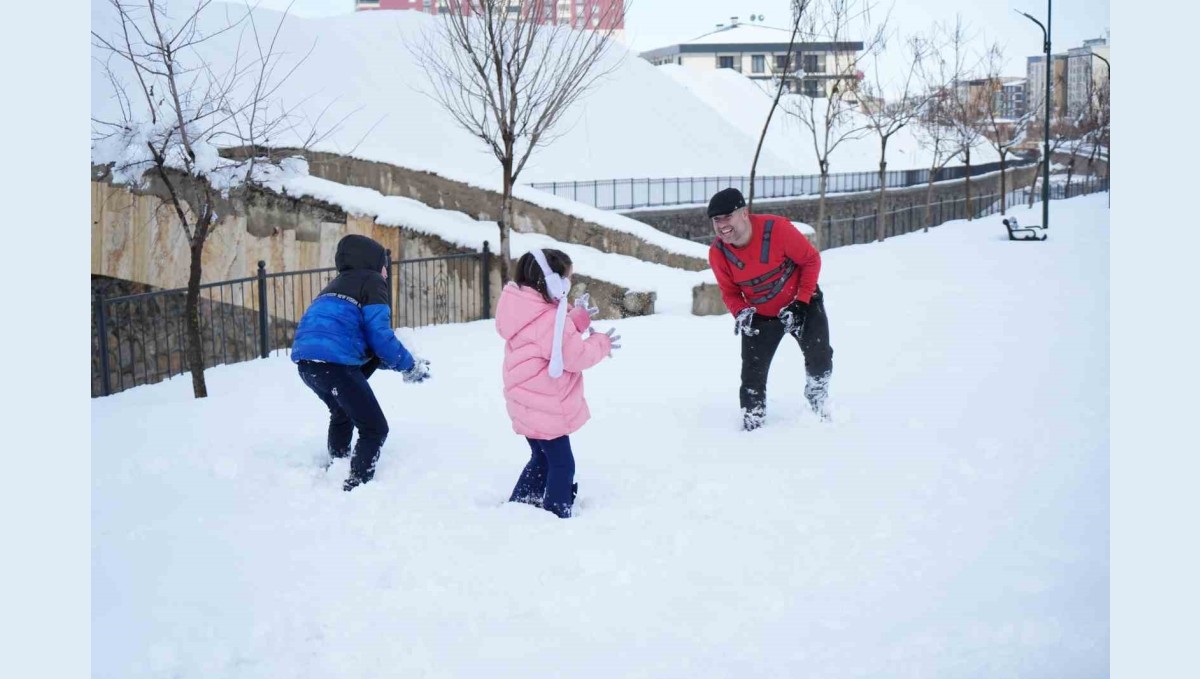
x=393, y=284
x=102, y=331
x=486, y=283
x=264, y=347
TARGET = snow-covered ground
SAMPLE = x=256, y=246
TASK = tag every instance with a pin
x=951, y=522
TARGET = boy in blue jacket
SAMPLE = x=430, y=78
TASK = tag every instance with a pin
x=343, y=336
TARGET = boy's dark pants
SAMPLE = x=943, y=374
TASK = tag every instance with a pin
x=352, y=404
x=759, y=350
x=546, y=480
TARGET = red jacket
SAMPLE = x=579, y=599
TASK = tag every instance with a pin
x=777, y=266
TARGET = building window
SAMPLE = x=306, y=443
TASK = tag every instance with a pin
x=812, y=88
x=781, y=63
x=758, y=63
x=814, y=63
x=724, y=62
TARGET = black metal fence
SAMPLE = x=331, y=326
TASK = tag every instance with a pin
x=628, y=194
x=912, y=217
x=142, y=338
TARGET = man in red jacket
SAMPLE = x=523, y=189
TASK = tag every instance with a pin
x=767, y=271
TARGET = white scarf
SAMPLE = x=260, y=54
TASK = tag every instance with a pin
x=556, y=285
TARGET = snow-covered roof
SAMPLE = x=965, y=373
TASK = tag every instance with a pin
x=746, y=37
x=743, y=33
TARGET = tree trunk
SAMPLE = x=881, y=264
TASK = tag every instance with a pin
x=929, y=202
x=1070, y=172
x=505, y=223
x=967, y=157
x=820, y=225
x=191, y=310
x=880, y=233
x=1033, y=185
x=1003, y=183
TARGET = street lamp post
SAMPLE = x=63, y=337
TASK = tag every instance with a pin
x=1046, y=116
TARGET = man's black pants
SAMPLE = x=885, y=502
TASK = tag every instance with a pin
x=759, y=350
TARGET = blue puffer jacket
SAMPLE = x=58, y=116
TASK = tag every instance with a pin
x=351, y=319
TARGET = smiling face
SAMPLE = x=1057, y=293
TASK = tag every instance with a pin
x=733, y=228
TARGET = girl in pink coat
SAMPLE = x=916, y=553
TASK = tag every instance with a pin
x=545, y=354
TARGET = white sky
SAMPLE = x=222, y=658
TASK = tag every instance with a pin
x=658, y=23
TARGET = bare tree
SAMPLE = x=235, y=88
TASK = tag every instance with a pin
x=798, y=7
x=1099, y=122
x=1060, y=133
x=1001, y=130
x=831, y=119
x=889, y=112
x=938, y=75
x=965, y=113
x=1089, y=128
x=507, y=73
x=176, y=111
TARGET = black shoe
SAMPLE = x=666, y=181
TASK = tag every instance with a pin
x=353, y=482
x=574, y=492
x=752, y=418
x=816, y=390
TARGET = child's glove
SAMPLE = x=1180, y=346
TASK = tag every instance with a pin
x=418, y=373
x=742, y=322
x=614, y=340
x=584, y=301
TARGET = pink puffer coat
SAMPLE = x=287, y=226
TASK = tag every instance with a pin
x=544, y=407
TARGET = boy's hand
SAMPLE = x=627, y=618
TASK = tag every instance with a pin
x=418, y=373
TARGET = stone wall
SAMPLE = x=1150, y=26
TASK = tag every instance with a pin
x=437, y=191
x=858, y=207
x=137, y=245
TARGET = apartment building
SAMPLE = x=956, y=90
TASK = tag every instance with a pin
x=760, y=52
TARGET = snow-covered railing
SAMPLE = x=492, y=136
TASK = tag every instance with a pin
x=633, y=193
x=909, y=218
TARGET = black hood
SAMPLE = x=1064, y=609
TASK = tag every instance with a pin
x=359, y=252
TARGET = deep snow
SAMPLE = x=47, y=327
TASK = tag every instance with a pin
x=951, y=522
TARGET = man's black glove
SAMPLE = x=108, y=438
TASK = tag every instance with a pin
x=742, y=321
x=793, y=316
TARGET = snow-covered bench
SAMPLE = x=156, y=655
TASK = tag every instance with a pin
x=1015, y=231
